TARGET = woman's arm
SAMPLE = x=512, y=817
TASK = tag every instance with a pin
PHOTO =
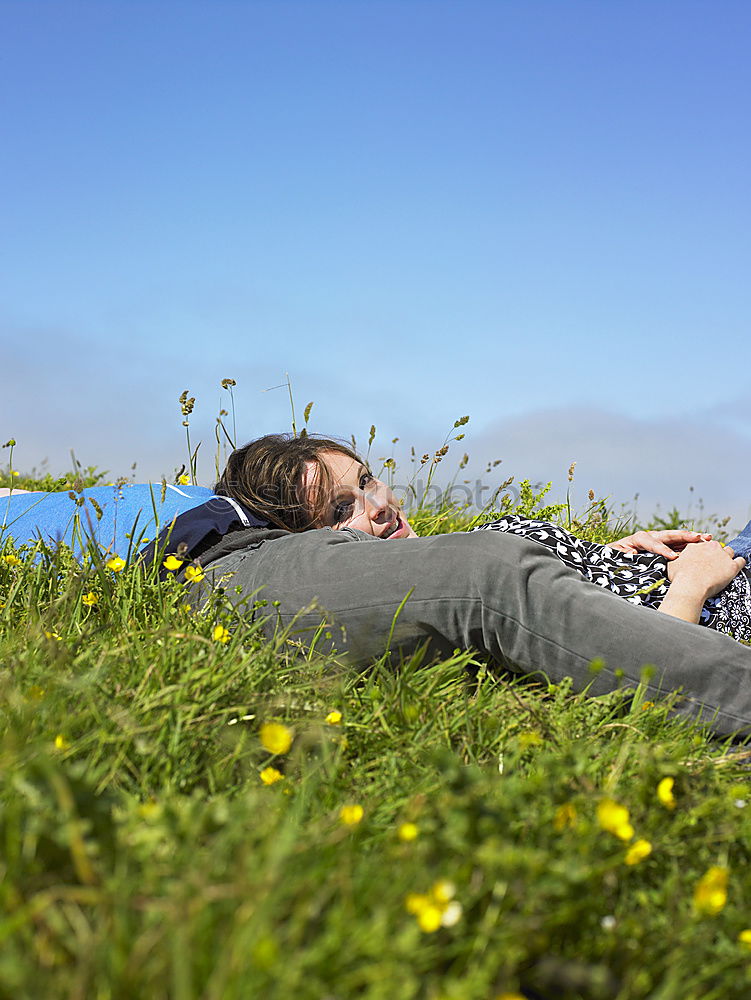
x=699, y=572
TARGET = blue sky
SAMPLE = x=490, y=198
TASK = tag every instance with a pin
x=535, y=213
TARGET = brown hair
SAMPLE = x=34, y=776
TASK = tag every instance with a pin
x=267, y=474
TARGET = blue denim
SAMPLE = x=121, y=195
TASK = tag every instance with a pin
x=741, y=544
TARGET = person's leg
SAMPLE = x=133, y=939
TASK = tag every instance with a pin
x=498, y=593
x=741, y=544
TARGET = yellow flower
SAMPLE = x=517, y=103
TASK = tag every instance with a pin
x=220, y=634
x=275, y=737
x=665, y=792
x=184, y=479
x=149, y=809
x=565, y=815
x=638, y=851
x=172, y=563
x=436, y=908
x=60, y=742
x=443, y=891
x=646, y=705
x=711, y=892
x=12, y=560
x=115, y=563
x=53, y=635
x=194, y=574
x=614, y=818
x=529, y=739
x=90, y=599
x=351, y=814
x=270, y=776
x=429, y=918
x=745, y=938
x=334, y=718
x=408, y=831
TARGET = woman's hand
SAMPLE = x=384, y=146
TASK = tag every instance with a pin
x=701, y=571
x=668, y=543
x=707, y=567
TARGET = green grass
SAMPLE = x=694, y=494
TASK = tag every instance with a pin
x=143, y=856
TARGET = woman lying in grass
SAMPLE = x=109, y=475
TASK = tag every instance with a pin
x=304, y=483
x=517, y=591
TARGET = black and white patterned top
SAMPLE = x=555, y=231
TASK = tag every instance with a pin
x=640, y=578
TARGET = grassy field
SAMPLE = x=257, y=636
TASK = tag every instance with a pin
x=191, y=810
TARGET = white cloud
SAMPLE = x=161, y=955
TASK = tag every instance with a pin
x=667, y=462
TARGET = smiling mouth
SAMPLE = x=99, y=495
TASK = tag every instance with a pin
x=394, y=527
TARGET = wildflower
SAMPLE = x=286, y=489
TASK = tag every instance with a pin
x=429, y=918
x=646, y=705
x=638, y=851
x=53, y=635
x=529, y=739
x=115, y=563
x=711, y=892
x=334, y=718
x=184, y=479
x=443, y=891
x=452, y=914
x=270, y=775
x=614, y=818
x=608, y=922
x=90, y=599
x=565, y=815
x=60, y=742
x=408, y=832
x=414, y=902
x=665, y=792
x=172, y=563
x=149, y=810
x=220, y=634
x=12, y=560
x=745, y=938
x=194, y=574
x=275, y=737
x=351, y=814
x=436, y=908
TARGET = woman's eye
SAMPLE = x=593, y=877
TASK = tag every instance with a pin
x=365, y=479
x=342, y=511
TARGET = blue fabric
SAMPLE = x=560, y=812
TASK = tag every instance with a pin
x=741, y=544
x=128, y=515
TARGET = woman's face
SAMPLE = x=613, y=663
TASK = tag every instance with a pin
x=358, y=500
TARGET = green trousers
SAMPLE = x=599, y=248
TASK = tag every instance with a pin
x=494, y=592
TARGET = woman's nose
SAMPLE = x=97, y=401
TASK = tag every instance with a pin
x=376, y=500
